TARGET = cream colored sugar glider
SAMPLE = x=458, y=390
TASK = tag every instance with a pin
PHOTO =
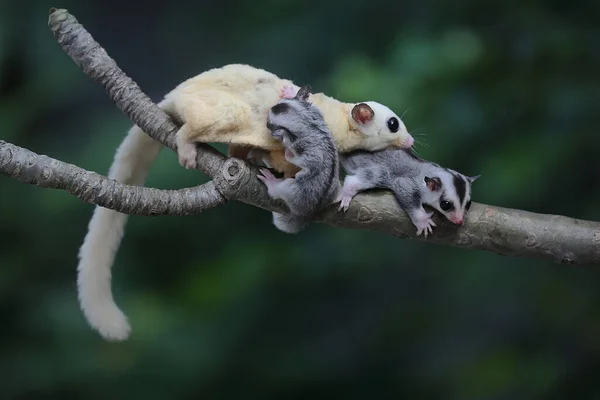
x=223, y=105
x=231, y=104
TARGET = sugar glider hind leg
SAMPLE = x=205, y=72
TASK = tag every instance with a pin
x=131, y=165
x=353, y=184
x=213, y=115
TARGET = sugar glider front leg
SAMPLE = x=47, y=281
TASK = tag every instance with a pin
x=409, y=195
x=186, y=148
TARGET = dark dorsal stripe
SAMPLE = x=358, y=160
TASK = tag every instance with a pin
x=461, y=188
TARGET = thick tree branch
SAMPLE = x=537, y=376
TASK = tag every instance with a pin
x=29, y=167
x=501, y=230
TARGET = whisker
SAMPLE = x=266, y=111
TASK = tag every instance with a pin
x=404, y=112
x=422, y=143
x=416, y=130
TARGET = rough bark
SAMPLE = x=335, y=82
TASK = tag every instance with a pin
x=29, y=167
x=500, y=230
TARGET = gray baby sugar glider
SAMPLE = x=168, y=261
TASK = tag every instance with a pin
x=414, y=181
x=309, y=145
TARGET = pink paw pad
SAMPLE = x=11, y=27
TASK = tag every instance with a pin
x=424, y=224
x=267, y=177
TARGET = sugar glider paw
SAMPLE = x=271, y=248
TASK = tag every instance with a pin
x=267, y=177
x=424, y=224
x=287, y=92
x=345, y=203
x=187, y=154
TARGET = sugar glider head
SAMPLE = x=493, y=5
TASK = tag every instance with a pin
x=449, y=192
x=380, y=126
x=292, y=117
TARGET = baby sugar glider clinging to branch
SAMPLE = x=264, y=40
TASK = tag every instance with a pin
x=415, y=182
x=309, y=145
x=223, y=105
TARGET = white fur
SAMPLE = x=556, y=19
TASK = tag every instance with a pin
x=97, y=254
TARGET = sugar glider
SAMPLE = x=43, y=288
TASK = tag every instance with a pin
x=309, y=145
x=415, y=182
x=230, y=105
x=227, y=105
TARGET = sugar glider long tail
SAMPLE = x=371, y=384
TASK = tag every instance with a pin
x=131, y=165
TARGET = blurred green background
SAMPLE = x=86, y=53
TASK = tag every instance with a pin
x=225, y=306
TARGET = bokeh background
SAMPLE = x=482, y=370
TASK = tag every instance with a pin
x=225, y=306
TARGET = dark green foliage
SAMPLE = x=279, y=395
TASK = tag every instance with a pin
x=225, y=306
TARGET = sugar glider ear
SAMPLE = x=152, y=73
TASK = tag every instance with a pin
x=362, y=113
x=434, y=183
x=303, y=93
x=472, y=179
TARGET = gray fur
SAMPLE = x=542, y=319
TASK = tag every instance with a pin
x=406, y=174
x=309, y=145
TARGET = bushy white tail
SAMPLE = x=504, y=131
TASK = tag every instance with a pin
x=131, y=166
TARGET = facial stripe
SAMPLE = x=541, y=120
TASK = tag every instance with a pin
x=461, y=187
x=280, y=108
x=333, y=170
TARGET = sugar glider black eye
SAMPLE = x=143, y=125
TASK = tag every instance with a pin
x=445, y=205
x=468, y=205
x=393, y=124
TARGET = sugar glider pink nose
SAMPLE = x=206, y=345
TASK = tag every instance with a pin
x=411, y=141
x=459, y=221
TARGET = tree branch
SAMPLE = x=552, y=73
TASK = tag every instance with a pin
x=77, y=42
x=29, y=167
x=504, y=231
x=501, y=230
